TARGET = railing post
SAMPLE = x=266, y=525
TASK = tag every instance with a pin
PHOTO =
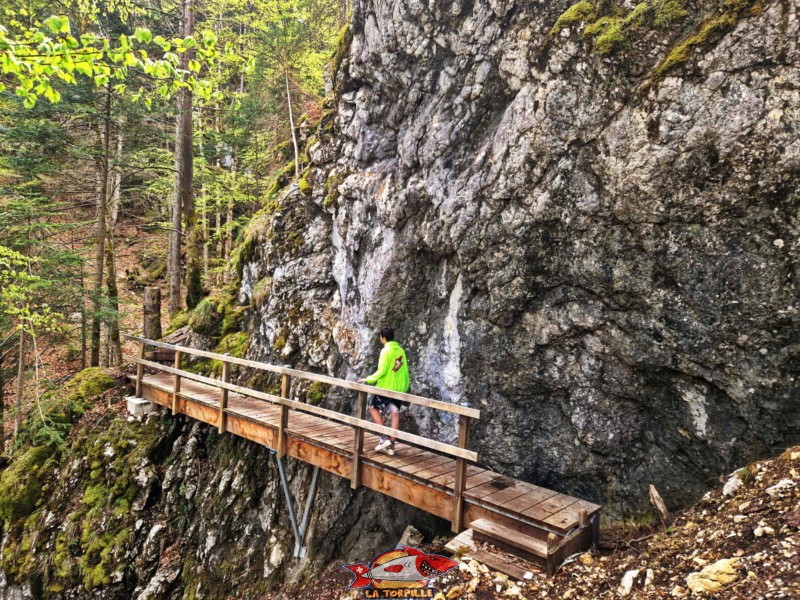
x=177, y=385
x=223, y=397
x=283, y=422
x=461, y=476
x=140, y=371
x=358, y=441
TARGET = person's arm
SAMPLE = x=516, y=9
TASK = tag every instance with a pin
x=383, y=367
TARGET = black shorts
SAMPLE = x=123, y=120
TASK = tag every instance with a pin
x=384, y=404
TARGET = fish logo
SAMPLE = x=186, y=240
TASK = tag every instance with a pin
x=404, y=567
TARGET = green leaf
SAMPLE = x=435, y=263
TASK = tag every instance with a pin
x=119, y=89
x=57, y=24
x=84, y=68
x=142, y=35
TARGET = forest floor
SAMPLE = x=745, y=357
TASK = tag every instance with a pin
x=743, y=544
x=140, y=256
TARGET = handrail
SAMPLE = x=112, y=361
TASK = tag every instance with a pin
x=310, y=408
x=343, y=383
x=359, y=423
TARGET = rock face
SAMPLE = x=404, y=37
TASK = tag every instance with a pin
x=604, y=261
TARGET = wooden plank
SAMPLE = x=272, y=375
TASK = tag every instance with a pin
x=405, y=457
x=396, y=486
x=358, y=441
x=431, y=472
x=496, y=559
x=461, y=476
x=510, y=540
x=447, y=479
x=517, y=489
x=433, y=461
x=176, y=388
x=139, y=369
x=342, y=383
x=524, y=502
x=541, y=511
x=490, y=485
x=569, y=517
x=481, y=478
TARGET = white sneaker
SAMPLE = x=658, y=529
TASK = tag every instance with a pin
x=390, y=449
x=383, y=444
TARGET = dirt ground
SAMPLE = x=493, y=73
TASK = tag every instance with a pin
x=748, y=542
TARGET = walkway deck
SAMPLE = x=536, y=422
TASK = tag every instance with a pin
x=429, y=475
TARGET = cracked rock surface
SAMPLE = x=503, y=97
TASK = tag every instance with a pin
x=604, y=263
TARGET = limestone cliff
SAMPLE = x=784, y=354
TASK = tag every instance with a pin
x=590, y=232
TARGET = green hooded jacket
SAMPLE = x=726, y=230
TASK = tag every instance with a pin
x=392, y=373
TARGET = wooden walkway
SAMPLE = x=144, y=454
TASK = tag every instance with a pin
x=557, y=525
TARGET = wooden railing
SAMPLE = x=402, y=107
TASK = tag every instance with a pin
x=358, y=422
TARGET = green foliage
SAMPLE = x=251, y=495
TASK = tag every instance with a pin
x=37, y=57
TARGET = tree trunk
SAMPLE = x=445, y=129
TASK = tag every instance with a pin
x=174, y=261
x=194, y=282
x=100, y=253
x=84, y=323
x=2, y=409
x=114, y=350
x=20, y=384
x=291, y=122
x=151, y=327
x=343, y=12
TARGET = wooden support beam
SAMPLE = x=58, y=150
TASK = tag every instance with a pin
x=283, y=421
x=140, y=371
x=461, y=476
x=358, y=441
x=177, y=386
x=223, y=398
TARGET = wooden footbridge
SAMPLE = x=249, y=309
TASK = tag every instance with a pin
x=537, y=524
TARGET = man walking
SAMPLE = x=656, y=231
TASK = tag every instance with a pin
x=392, y=374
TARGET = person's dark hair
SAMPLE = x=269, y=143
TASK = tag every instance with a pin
x=387, y=333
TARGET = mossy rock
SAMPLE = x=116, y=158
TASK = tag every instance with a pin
x=305, y=187
x=178, y=321
x=21, y=484
x=577, y=13
x=90, y=383
x=317, y=392
x=203, y=318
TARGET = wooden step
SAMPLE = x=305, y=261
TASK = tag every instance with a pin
x=466, y=547
x=508, y=539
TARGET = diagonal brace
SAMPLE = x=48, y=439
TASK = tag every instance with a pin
x=300, y=529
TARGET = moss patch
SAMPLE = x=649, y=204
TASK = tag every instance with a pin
x=577, y=13
x=708, y=32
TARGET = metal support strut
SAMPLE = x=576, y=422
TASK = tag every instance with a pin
x=298, y=530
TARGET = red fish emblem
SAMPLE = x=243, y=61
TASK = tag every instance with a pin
x=403, y=565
